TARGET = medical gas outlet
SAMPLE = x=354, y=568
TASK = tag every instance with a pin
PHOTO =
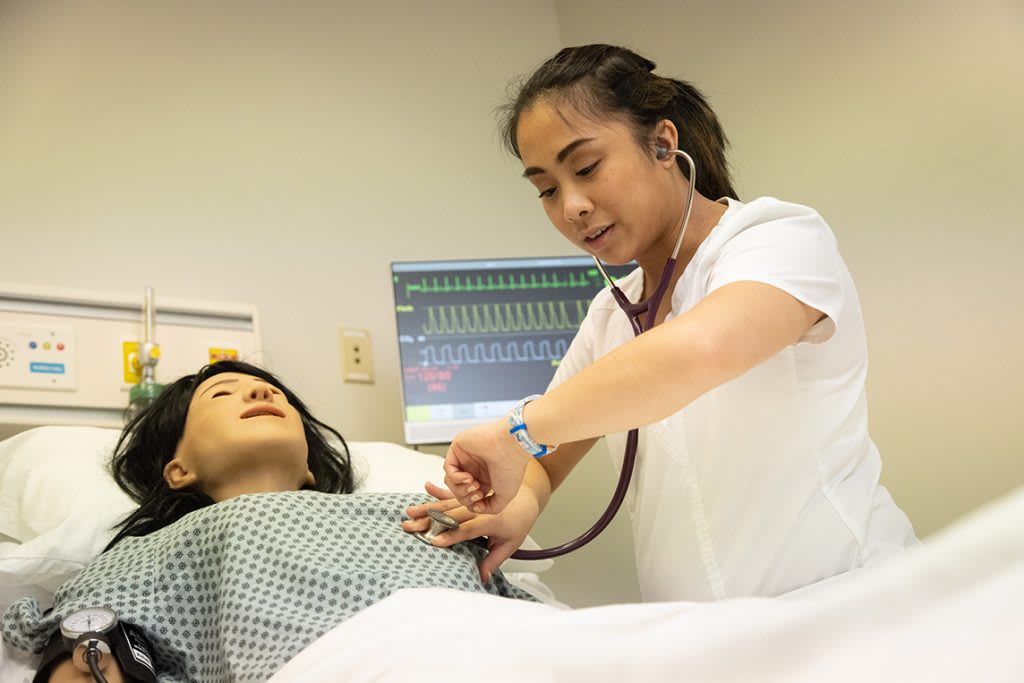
x=356, y=356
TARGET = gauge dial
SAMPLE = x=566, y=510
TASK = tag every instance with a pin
x=94, y=619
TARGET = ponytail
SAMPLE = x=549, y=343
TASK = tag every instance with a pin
x=602, y=81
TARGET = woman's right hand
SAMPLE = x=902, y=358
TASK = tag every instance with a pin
x=485, y=466
x=505, y=531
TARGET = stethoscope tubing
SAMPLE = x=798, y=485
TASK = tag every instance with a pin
x=633, y=312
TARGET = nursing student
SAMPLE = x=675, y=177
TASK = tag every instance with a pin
x=755, y=472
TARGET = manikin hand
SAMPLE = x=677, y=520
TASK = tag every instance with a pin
x=484, y=467
x=65, y=672
x=506, y=532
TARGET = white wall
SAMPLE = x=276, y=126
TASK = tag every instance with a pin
x=280, y=154
x=901, y=123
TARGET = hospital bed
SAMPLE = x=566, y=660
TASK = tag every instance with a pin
x=58, y=503
x=949, y=610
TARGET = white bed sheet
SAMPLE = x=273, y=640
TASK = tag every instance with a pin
x=949, y=610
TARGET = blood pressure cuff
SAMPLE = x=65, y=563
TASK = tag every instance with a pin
x=128, y=644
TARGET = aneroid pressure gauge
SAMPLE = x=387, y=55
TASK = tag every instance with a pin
x=85, y=636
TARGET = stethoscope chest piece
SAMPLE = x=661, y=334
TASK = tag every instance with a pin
x=439, y=523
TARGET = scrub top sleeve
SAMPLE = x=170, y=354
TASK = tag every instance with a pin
x=797, y=254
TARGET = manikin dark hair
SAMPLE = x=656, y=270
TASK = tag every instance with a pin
x=151, y=437
x=605, y=81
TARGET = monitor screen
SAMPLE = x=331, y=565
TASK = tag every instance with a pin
x=477, y=335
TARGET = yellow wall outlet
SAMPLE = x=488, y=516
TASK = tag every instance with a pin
x=130, y=362
x=356, y=356
x=218, y=354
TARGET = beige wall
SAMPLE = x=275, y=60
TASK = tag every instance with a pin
x=901, y=123
x=280, y=154
x=284, y=153
x=276, y=153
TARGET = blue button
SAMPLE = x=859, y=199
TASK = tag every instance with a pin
x=32, y=345
x=47, y=368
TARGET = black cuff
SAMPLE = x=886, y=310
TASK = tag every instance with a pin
x=52, y=653
x=129, y=645
x=134, y=653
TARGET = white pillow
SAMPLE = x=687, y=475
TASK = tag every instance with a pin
x=58, y=501
x=49, y=475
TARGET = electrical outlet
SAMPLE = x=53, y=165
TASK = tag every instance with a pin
x=356, y=356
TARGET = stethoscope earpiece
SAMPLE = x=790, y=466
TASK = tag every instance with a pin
x=661, y=152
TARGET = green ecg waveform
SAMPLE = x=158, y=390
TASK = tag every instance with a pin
x=538, y=316
x=501, y=282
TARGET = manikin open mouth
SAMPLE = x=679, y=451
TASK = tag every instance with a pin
x=256, y=411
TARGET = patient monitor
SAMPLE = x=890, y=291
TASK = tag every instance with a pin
x=477, y=335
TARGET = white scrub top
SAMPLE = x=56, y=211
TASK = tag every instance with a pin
x=769, y=482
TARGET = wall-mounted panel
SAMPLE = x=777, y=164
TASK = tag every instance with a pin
x=65, y=356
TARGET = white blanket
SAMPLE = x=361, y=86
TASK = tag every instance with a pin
x=950, y=610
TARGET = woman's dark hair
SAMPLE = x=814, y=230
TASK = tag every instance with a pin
x=604, y=80
x=150, y=439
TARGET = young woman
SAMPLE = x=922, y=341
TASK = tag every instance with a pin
x=239, y=554
x=755, y=474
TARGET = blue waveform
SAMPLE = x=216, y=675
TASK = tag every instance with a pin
x=493, y=352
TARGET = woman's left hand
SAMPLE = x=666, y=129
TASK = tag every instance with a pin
x=484, y=467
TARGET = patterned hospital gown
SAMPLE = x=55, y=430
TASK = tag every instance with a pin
x=233, y=591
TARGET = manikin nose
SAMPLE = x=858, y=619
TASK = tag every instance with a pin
x=260, y=391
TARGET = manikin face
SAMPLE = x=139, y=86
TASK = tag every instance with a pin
x=604, y=192
x=241, y=436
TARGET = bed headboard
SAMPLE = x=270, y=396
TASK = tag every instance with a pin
x=64, y=354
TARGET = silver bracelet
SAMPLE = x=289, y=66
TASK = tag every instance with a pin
x=517, y=428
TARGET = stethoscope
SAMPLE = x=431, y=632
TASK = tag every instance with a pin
x=440, y=522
